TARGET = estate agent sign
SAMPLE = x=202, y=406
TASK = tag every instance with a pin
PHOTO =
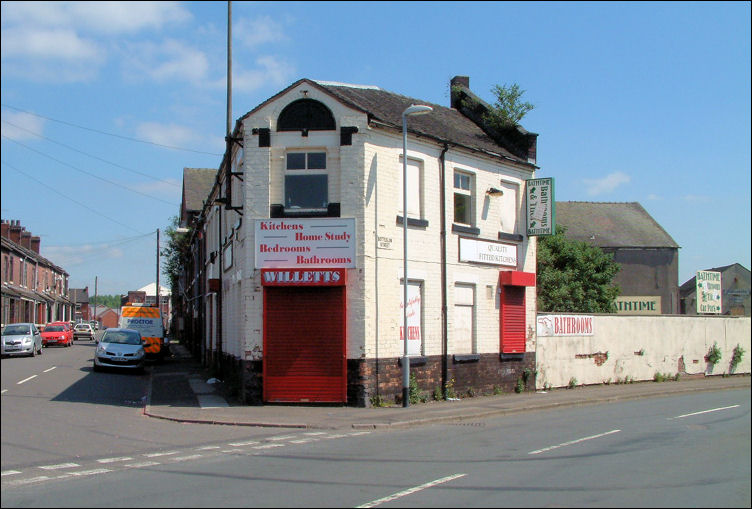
x=708, y=292
x=305, y=243
x=541, y=207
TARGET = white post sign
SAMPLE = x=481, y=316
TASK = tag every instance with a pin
x=414, y=336
x=708, y=292
x=541, y=207
x=293, y=242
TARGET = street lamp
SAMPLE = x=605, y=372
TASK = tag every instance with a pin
x=414, y=109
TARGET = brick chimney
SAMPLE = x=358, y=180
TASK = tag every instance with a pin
x=35, y=241
x=25, y=239
x=14, y=232
x=5, y=228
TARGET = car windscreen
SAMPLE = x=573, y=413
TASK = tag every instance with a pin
x=15, y=330
x=54, y=328
x=121, y=337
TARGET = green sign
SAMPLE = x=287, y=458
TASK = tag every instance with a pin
x=708, y=292
x=541, y=207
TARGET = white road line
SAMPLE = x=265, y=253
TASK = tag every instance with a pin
x=304, y=440
x=92, y=472
x=48, y=370
x=268, y=446
x=704, y=412
x=60, y=465
x=283, y=437
x=141, y=464
x=411, y=490
x=186, y=458
x=113, y=460
x=207, y=448
x=545, y=449
x=3, y=391
x=315, y=433
x=30, y=480
x=9, y=472
x=241, y=444
x=26, y=379
x=157, y=454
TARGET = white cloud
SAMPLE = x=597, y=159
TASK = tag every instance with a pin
x=607, y=184
x=254, y=32
x=696, y=198
x=21, y=126
x=172, y=135
x=654, y=197
x=98, y=17
x=70, y=256
x=270, y=71
x=171, y=60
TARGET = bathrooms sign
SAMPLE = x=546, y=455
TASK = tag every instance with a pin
x=305, y=243
x=708, y=292
x=541, y=208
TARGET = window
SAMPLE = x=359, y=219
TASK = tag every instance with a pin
x=463, y=198
x=414, y=171
x=464, y=323
x=306, y=115
x=306, y=181
x=509, y=207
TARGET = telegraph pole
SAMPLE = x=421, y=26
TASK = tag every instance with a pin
x=159, y=305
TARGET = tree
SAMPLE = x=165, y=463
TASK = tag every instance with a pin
x=509, y=109
x=574, y=277
x=178, y=247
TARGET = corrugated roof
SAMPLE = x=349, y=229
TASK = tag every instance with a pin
x=613, y=225
x=197, y=184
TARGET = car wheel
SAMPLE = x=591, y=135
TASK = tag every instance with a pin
x=40, y=349
x=96, y=368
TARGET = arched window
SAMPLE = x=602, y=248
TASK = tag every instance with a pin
x=306, y=115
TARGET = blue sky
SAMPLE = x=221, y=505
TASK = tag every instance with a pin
x=104, y=104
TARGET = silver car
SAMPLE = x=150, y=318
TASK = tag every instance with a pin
x=21, y=339
x=120, y=348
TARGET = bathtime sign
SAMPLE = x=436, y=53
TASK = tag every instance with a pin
x=708, y=292
x=541, y=207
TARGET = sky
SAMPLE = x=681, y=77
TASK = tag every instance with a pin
x=105, y=103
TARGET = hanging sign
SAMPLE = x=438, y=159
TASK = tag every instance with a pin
x=305, y=243
x=414, y=319
x=708, y=291
x=541, y=207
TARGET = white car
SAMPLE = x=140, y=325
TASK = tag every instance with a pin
x=120, y=348
x=21, y=339
x=83, y=330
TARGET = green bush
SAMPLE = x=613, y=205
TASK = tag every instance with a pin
x=714, y=354
x=736, y=357
x=572, y=383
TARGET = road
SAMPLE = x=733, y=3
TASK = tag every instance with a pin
x=71, y=437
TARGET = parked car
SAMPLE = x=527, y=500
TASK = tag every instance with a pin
x=120, y=348
x=21, y=339
x=57, y=333
x=83, y=330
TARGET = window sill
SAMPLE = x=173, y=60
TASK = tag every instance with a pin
x=511, y=356
x=411, y=221
x=277, y=210
x=460, y=359
x=416, y=360
x=514, y=237
x=470, y=230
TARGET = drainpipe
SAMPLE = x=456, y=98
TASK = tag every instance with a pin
x=444, y=335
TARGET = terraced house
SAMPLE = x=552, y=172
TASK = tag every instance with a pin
x=295, y=276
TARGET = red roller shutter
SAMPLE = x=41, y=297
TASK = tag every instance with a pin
x=513, y=319
x=304, y=344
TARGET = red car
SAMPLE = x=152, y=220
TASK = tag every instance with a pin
x=57, y=333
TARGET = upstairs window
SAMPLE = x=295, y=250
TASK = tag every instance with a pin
x=463, y=198
x=306, y=181
x=414, y=191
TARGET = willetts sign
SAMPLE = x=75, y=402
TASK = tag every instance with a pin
x=302, y=277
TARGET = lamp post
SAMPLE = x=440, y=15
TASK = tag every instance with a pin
x=415, y=109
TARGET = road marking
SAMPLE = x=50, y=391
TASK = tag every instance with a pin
x=92, y=472
x=157, y=454
x=61, y=465
x=141, y=464
x=241, y=444
x=269, y=446
x=545, y=449
x=411, y=490
x=704, y=412
x=29, y=480
x=186, y=458
x=4, y=391
x=207, y=447
x=283, y=437
x=48, y=370
x=315, y=433
x=9, y=472
x=113, y=460
x=26, y=379
x=304, y=440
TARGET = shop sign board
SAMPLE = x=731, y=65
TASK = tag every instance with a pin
x=414, y=319
x=708, y=291
x=305, y=243
x=484, y=251
x=541, y=206
x=565, y=325
x=640, y=305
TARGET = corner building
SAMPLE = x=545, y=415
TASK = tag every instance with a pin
x=304, y=229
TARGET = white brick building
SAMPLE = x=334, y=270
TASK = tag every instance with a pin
x=301, y=267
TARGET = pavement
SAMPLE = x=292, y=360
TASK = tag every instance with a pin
x=181, y=390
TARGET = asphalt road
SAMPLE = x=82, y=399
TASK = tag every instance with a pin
x=87, y=444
